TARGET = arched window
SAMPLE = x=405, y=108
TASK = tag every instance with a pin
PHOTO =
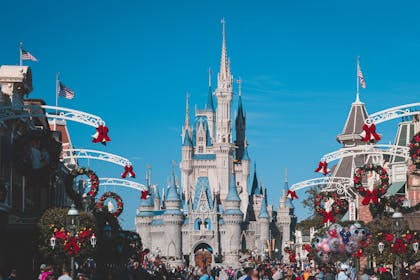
x=197, y=224
x=207, y=223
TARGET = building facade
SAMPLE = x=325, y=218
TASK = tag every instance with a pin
x=211, y=215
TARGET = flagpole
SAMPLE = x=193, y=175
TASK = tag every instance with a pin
x=56, y=97
x=357, y=80
x=20, y=53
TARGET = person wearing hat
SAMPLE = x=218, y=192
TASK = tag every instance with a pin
x=41, y=269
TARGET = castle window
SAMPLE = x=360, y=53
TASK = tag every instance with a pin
x=200, y=139
x=200, y=149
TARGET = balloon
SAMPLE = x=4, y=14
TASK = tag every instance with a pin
x=352, y=246
x=334, y=244
x=345, y=235
x=337, y=227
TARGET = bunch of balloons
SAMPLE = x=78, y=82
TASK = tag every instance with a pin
x=340, y=243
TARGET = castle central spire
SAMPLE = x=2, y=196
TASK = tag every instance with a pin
x=224, y=78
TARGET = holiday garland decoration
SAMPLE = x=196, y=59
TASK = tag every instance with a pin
x=369, y=133
x=292, y=195
x=330, y=204
x=94, y=180
x=323, y=168
x=415, y=150
x=145, y=194
x=291, y=253
x=72, y=244
x=128, y=170
x=398, y=245
x=340, y=243
x=367, y=194
x=118, y=200
x=101, y=135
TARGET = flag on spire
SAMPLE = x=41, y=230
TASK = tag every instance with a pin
x=28, y=56
x=360, y=75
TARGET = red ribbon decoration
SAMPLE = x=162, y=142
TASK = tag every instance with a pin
x=292, y=257
x=399, y=247
x=370, y=196
x=71, y=246
x=389, y=237
x=358, y=254
x=128, y=170
x=307, y=247
x=322, y=168
x=60, y=235
x=144, y=194
x=101, y=135
x=370, y=133
x=292, y=195
x=328, y=216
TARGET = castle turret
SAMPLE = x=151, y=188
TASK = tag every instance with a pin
x=264, y=223
x=186, y=164
x=232, y=216
x=173, y=219
x=156, y=198
x=144, y=217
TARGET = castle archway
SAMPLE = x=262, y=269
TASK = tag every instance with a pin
x=203, y=255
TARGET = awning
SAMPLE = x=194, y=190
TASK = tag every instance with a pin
x=395, y=188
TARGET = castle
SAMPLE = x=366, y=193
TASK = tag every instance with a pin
x=211, y=215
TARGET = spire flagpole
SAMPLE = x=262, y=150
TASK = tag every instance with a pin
x=357, y=79
x=20, y=54
x=56, y=98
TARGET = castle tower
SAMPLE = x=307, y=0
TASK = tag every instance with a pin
x=232, y=216
x=186, y=165
x=264, y=223
x=223, y=144
x=240, y=124
x=144, y=217
x=173, y=219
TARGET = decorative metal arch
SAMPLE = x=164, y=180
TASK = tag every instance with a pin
x=51, y=112
x=121, y=183
x=93, y=154
x=340, y=182
x=393, y=113
x=383, y=149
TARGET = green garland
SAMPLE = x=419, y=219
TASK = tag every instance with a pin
x=415, y=150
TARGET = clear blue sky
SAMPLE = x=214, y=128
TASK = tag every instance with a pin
x=132, y=63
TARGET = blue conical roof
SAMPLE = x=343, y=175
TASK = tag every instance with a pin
x=187, y=140
x=233, y=192
x=172, y=193
x=147, y=202
x=264, y=212
x=210, y=104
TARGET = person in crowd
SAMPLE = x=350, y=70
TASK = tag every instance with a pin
x=365, y=275
x=342, y=275
x=65, y=275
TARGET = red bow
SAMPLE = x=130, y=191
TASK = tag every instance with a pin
x=292, y=258
x=399, y=247
x=60, y=235
x=323, y=168
x=71, y=246
x=307, y=247
x=389, y=237
x=292, y=195
x=358, y=254
x=144, y=194
x=328, y=216
x=369, y=133
x=101, y=135
x=370, y=195
x=128, y=170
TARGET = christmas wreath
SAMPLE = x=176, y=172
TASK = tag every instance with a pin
x=36, y=153
x=415, y=150
x=399, y=245
x=118, y=200
x=94, y=180
x=330, y=204
x=367, y=194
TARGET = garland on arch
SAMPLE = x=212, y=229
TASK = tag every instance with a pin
x=415, y=150
x=375, y=194
x=338, y=206
x=94, y=180
x=118, y=200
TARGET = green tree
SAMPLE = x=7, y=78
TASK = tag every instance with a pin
x=314, y=220
x=56, y=218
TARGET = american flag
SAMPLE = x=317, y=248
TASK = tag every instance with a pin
x=65, y=91
x=28, y=56
x=360, y=74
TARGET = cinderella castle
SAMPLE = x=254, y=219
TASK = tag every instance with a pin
x=211, y=216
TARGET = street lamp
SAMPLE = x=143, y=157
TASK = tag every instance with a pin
x=398, y=224
x=415, y=246
x=381, y=247
x=72, y=224
x=52, y=242
x=93, y=240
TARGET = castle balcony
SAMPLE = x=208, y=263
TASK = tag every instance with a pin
x=203, y=233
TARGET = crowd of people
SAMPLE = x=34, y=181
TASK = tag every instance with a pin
x=265, y=271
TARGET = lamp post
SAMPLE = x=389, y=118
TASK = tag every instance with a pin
x=381, y=247
x=398, y=224
x=72, y=224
